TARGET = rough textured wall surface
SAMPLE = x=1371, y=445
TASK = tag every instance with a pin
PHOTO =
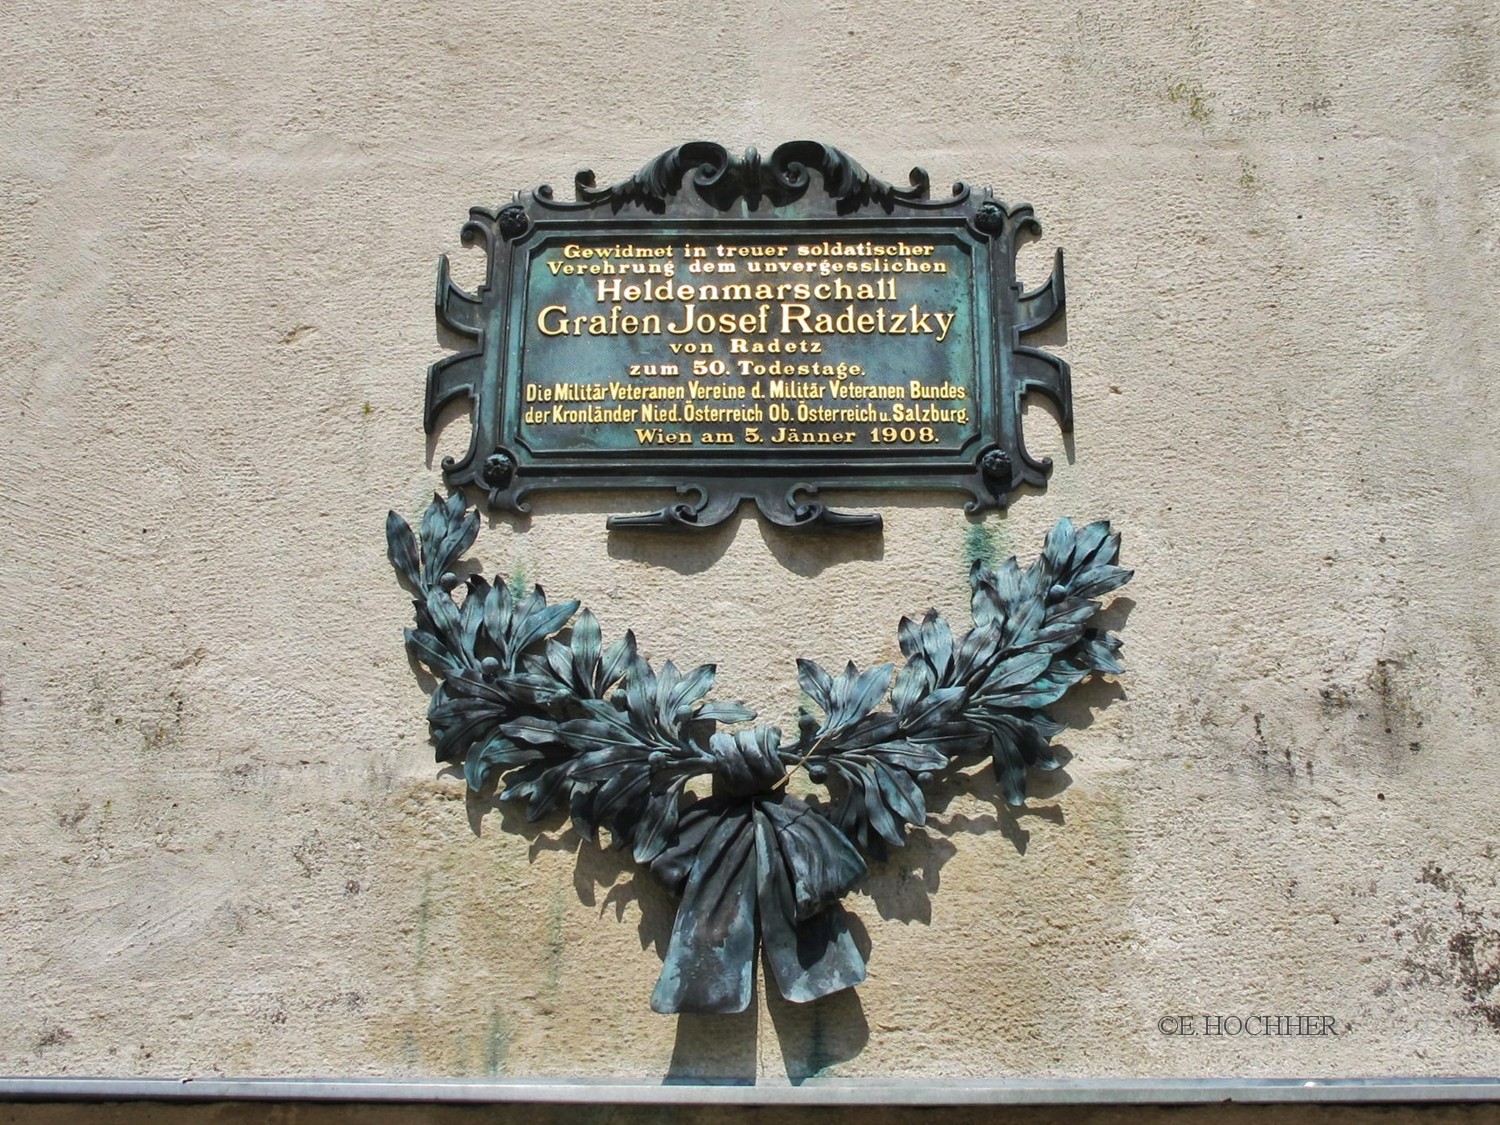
x=225, y=846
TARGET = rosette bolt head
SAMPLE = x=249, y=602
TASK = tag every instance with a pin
x=817, y=771
x=498, y=469
x=490, y=667
x=513, y=221
x=449, y=582
x=990, y=219
x=995, y=465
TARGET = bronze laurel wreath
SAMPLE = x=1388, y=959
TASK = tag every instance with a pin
x=557, y=719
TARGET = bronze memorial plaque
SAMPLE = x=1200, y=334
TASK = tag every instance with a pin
x=732, y=329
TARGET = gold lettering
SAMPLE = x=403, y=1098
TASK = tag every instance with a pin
x=787, y=317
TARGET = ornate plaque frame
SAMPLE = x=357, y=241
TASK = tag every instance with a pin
x=699, y=191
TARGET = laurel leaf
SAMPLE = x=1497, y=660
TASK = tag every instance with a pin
x=912, y=682
x=432, y=529
x=458, y=724
x=612, y=666
x=459, y=538
x=1098, y=652
x=1026, y=616
x=585, y=645
x=997, y=592
x=498, y=614
x=640, y=694
x=1058, y=548
x=901, y=794
x=934, y=709
x=908, y=636
x=558, y=662
x=878, y=817
x=471, y=614
x=659, y=822
x=725, y=712
x=913, y=755
x=817, y=683
x=1041, y=691
x=1028, y=738
x=620, y=802
x=1010, y=767
x=430, y=650
x=976, y=652
x=680, y=700
x=1100, y=580
x=445, y=619
x=853, y=694
x=1014, y=672
x=1095, y=546
x=985, y=605
x=530, y=729
x=871, y=729
x=594, y=736
x=937, y=642
x=490, y=755
x=539, y=621
x=401, y=547
x=546, y=792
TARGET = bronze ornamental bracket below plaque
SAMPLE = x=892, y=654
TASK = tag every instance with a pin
x=732, y=328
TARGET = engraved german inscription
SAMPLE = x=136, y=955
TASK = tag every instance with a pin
x=805, y=343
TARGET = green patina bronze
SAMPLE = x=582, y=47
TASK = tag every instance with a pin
x=535, y=707
x=736, y=329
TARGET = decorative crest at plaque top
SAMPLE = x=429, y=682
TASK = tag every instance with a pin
x=722, y=179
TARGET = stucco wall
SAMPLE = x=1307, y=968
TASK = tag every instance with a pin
x=226, y=848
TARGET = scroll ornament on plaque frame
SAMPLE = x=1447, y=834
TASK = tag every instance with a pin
x=733, y=328
x=531, y=703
